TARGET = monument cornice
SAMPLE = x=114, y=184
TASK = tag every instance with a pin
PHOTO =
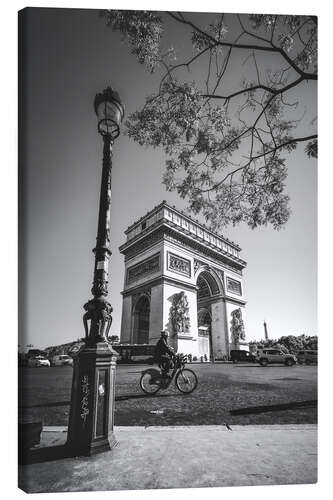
x=207, y=249
x=184, y=223
x=183, y=215
x=167, y=230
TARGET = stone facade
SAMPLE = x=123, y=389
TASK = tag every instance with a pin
x=167, y=253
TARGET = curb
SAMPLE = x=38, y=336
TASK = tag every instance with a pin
x=205, y=428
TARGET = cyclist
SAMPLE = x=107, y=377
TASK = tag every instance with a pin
x=164, y=354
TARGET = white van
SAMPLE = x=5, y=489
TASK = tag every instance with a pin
x=62, y=360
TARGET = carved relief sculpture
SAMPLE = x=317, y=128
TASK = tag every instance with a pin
x=179, y=264
x=234, y=286
x=197, y=264
x=144, y=268
x=179, y=314
x=237, y=326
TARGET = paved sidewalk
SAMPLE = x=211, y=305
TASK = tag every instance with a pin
x=180, y=457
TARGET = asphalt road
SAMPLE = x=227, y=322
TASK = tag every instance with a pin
x=270, y=395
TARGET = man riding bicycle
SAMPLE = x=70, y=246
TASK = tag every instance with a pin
x=164, y=354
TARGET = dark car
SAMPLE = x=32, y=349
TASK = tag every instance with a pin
x=240, y=355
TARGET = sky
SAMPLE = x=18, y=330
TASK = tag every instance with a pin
x=72, y=55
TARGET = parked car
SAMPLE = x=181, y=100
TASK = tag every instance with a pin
x=33, y=353
x=62, y=360
x=38, y=361
x=307, y=357
x=241, y=355
x=270, y=356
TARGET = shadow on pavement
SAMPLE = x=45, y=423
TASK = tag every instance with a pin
x=278, y=407
x=47, y=405
x=43, y=454
x=257, y=365
x=145, y=396
x=118, y=398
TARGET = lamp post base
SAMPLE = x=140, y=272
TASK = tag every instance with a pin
x=90, y=429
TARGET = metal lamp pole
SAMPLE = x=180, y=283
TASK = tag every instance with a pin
x=90, y=427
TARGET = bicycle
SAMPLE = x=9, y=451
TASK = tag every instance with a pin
x=152, y=379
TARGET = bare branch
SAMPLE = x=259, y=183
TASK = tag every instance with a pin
x=269, y=48
x=271, y=151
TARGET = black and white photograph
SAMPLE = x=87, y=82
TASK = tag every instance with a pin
x=167, y=253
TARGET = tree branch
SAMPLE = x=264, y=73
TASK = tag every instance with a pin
x=271, y=48
x=271, y=90
x=254, y=158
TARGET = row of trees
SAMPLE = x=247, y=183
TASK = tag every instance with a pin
x=288, y=343
x=72, y=347
x=63, y=348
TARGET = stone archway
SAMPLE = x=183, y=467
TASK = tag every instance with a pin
x=207, y=289
x=205, y=346
x=141, y=315
x=207, y=285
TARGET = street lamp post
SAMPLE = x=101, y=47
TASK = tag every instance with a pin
x=90, y=427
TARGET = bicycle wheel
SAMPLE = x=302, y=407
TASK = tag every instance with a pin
x=150, y=381
x=186, y=381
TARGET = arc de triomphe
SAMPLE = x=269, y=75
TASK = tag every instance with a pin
x=182, y=277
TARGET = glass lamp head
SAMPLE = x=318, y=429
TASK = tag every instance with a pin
x=109, y=111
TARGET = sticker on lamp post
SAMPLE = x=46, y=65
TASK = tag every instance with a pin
x=103, y=264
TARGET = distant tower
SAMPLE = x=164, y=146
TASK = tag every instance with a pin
x=265, y=328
